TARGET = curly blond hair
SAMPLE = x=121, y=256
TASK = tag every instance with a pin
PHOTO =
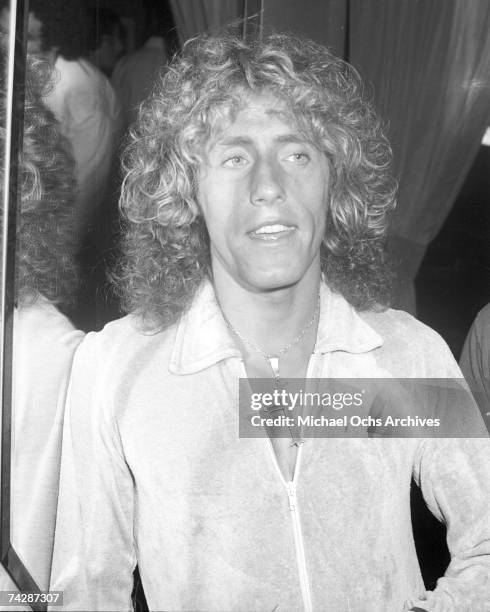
x=166, y=244
x=45, y=232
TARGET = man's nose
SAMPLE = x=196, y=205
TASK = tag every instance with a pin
x=267, y=185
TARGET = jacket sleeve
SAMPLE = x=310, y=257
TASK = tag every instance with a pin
x=94, y=552
x=454, y=475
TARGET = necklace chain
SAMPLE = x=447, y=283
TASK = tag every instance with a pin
x=273, y=360
x=285, y=349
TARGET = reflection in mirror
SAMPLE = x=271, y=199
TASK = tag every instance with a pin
x=43, y=338
x=68, y=132
x=11, y=75
x=86, y=107
x=71, y=126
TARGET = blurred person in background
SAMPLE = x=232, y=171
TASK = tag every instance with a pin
x=136, y=74
x=44, y=339
x=81, y=98
x=106, y=40
x=86, y=107
x=475, y=361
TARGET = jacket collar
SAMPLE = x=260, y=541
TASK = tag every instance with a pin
x=203, y=338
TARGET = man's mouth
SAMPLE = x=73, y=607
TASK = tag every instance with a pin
x=272, y=232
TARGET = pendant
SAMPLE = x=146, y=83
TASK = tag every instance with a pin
x=274, y=361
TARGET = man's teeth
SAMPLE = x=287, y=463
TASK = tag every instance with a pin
x=272, y=229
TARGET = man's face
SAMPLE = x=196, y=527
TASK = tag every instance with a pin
x=263, y=192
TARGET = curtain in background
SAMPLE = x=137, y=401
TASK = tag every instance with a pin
x=324, y=22
x=195, y=16
x=429, y=64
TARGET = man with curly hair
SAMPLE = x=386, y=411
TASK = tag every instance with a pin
x=256, y=192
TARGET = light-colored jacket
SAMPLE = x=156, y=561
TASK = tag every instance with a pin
x=154, y=473
x=44, y=342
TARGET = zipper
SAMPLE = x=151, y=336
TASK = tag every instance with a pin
x=296, y=523
x=299, y=545
x=293, y=508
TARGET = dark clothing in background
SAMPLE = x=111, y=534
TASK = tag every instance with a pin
x=134, y=75
x=475, y=361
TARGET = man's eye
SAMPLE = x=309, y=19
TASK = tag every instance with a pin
x=298, y=158
x=237, y=161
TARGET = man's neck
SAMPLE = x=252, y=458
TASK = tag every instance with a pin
x=269, y=319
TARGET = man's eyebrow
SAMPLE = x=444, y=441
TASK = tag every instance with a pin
x=234, y=140
x=245, y=140
x=295, y=138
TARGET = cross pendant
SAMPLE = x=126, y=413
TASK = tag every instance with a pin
x=274, y=361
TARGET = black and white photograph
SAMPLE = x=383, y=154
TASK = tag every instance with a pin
x=245, y=305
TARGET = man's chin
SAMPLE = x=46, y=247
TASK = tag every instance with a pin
x=272, y=282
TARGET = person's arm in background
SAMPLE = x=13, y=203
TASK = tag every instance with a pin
x=454, y=476
x=453, y=473
x=475, y=362
x=94, y=552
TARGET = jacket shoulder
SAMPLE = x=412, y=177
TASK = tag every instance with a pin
x=409, y=344
x=121, y=344
x=482, y=320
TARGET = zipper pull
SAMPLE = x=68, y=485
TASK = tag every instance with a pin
x=291, y=496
